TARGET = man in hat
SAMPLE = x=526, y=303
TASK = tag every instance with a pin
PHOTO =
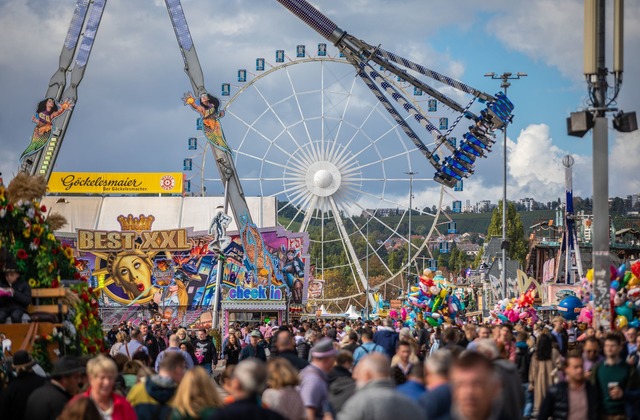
x=48, y=401
x=15, y=294
x=14, y=398
x=314, y=383
x=255, y=348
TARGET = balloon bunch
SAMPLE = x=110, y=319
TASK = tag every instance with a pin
x=516, y=309
x=625, y=294
x=434, y=300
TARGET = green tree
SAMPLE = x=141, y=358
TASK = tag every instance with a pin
x=518, y=245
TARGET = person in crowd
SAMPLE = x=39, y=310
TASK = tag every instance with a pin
x=130, y=373
x=255, y=348
x=405, y=335
x=225, y=340
x=351, y=343
x=135, y=345
x=149, y=341
x=572, y=335
x=629, y=347
x=560, y=334
x=341, y=383
x=281, y=395
x=196, y=397
x=414, y=386
x=591, y=354
x=450, y=341
x=102, y=372
x=544, y=364
x=188, y=347
x=376, y=397
x=617, y=383
x=273, y=339
x=436, y=402
x=523, y=363
x=422, y=337
x=48, y=401
x=475, y=388
x=111, y=335
x=512, y=396
x=205, y=351
x=435, y=340
x=310, y=337
x=402, y=366
x=232, y=350
x=182, y=335
x=387, y=337
x=150, y=399
x=506, y=339
x=15, y=294
x=285, y=344
x=574, y=398
x=246, y=385
x=224, y=382
x=470, y=334
x=82, y=408
x=367, y=346
x=314, y=383
x=174, y=347
x=13, y=400
x=120, y=340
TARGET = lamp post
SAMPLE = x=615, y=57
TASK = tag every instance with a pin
x=505, y=78
x=366, y=311
x=411, y=174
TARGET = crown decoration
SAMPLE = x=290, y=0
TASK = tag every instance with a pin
x=137, y=224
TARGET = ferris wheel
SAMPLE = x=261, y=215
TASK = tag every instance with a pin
x=307, y=131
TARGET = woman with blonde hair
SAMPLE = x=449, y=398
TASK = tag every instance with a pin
x=102, y=373
x=182, y=335
x=281, y=395
x=196, y=396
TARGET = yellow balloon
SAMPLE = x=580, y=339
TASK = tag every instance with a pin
x=443, y=293
x=414, y=288
x=633, y=281
x=590, y=275
x=621, y=322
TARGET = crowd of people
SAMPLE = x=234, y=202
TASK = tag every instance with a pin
x=339, y=369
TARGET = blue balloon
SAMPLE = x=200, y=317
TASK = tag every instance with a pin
x=634, y=323
x=615, y=285
x=625, y=311
x=569, y=307
x=621, y=270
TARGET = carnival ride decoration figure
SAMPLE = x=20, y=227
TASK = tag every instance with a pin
x=257, y=258
x=218, y=230
x=131, y=271
x=46, y=112
x=15, y=294
x=293, y=268
x=209, y=108
x=173, y=300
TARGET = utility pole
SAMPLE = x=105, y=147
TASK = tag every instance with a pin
x=505, y=83
x=601, y=97
x=366, y=311
x=411, y=174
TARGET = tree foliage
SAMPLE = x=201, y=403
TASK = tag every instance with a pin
x=518, y=245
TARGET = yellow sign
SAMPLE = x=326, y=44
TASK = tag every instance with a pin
x=116, y=183
x=96, y=240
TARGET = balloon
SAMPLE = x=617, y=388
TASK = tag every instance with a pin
x=443, y=293
x=621, y=322
x=503, y=318
x=627, y=277
x=523, y=315
x=633, y=281
x=435, y=315
x=635, y=268
x=432, y=322
x=615, y=285
x=624, y=311
x=568, y=307
x=635, y=323
x=621, y=270
x=613, y=272
x=586, y=316
x=434, y=290
x=590, y=275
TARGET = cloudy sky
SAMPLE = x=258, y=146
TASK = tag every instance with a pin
x=129, y=116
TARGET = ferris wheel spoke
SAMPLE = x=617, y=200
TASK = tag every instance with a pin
x=356, y=270
x=280, y=165
x=347, y=146
x=293, y=219
x=293, y=89
x=368, y=244
x=308, y=214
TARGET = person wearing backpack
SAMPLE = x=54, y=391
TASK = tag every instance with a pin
x=367, y=346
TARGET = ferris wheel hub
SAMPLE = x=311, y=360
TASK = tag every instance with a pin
x=323, y=178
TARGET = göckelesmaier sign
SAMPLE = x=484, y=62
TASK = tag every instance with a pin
x=116, y=183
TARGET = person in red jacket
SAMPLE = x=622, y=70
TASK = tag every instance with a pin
x=102, y=373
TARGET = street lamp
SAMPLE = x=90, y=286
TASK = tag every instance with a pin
x=505, y=78
x=366, y=311
x=411, y=174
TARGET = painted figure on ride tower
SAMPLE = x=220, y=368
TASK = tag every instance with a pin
x=209, y=107
x=293, y=270
x=131, y=271
x=46, y=112
x=257, y=259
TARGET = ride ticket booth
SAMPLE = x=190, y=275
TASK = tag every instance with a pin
x=238, y=309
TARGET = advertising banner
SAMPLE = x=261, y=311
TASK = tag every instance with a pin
x=115, y=183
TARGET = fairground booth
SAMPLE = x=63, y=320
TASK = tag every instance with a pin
x=150, y=257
